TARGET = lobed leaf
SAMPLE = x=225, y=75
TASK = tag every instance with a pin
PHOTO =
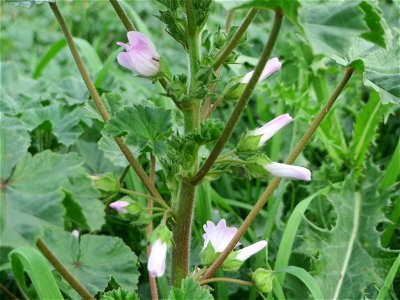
x=190, y=289
x=95, y=259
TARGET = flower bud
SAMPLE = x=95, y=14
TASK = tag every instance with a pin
x=75, y=233
x=106, y=183
x=161, y=239
x=120, y=206
x=141, y=56
x=263, y=280
x=288, y=171
x=271, y=67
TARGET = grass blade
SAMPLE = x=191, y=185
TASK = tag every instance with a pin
x=306, y=278
x=389, y=280
x=29, y=260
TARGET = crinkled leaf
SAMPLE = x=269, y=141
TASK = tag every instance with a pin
x=64, y=120
x=95, y=259
x=381, y=68
x=376, y=24
x=35, y=191
x=331, y=26
x=120, y=294
x=353, y=243
x=14, y=142
x=27, y=3
x=190, y=289
x=143, y=126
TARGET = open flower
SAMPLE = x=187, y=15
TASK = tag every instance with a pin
x=288, y=171
x=141, y=56
x=216, y=239
x=272, y=127
x=119, y=206
x=218, y=235
x=271, y=66
x=158, y=255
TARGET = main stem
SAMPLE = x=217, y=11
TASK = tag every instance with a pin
x=99, y=104
x=186, y=195
x=242, y=102
x=275, y=182
x=57, y=264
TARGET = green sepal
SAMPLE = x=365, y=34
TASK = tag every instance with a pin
x=232, y=263
x=263, y=279
x=255, y=166
x=234, y=89
x=208, y=255
x=162, y=233
x=249, y=143
x=106, y=183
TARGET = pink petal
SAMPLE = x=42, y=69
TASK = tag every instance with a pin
x=75, y=233
x=248, y=251
x=119, y=206
x=125, y=60
x=138, y=41
x=158, y=255
x=288, y=171
x=272, y=127
x=271, y=66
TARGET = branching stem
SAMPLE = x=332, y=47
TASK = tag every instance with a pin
x=122, y=15
x=224, y=53
x=242, y=102
x=275, y=182
x=99, y=104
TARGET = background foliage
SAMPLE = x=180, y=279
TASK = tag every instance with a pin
x=51, y=139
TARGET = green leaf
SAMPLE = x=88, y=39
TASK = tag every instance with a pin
x=380, y=67
x=143, y=126
x=14, y=142
x=113, y=153
x=120, y=294
x=64, y=120
x=35, y=191
x=27, y=3
x=95, y=259
x=29, y=260
x=331, y=26
x=365, y=127
x=112, y=101
x=190, y=289
x=375, y=22
x=349, y=258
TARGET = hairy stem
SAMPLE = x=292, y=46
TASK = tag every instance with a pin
x=186, y=195
x=149, y=228
x=224, y=53
x=57, y=264
x=122, y=15
x=275, y=182
x=225, y=279
x=242, y=102
x=99, y=104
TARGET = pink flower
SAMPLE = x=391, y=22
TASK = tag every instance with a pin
x=75, y=233
x=119, y=206
x=288, y=171
x=271, y=66
x=141, y=56
x=218, y=235
x=158, y=255
x=272, y=127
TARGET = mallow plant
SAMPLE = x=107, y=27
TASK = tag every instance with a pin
x=175, y=151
